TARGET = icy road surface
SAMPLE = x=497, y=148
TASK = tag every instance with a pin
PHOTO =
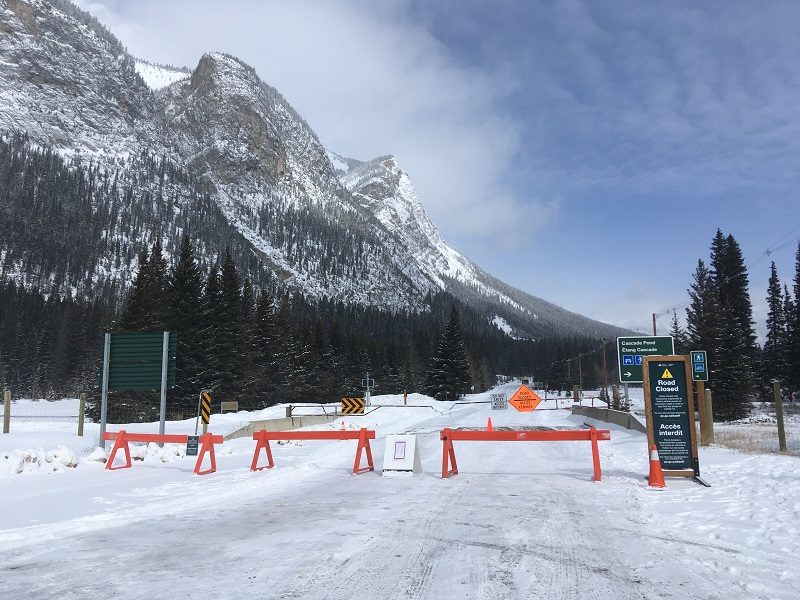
x=521, y=520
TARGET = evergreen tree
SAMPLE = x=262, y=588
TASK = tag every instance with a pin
x=679, y=335
x=734, y=384
x=185, y=318
x=134, y=314
x=793, y=329
x=788, y=314
x=702, y=315
x=773, y=358
x=230, y=332
x=449, y=371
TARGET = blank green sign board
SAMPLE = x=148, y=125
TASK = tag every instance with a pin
x=135, y=361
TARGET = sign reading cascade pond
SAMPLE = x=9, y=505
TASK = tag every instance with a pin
x=671, y=423
x=631, y=351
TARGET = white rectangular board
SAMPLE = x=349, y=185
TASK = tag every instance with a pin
x=401, y=456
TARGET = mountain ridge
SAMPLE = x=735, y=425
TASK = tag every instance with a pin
x=331, y=227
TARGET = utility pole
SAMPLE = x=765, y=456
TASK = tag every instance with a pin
x=654, y=324
x=605, y=375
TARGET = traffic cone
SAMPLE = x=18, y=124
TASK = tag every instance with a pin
x=656, y=477
x=489, y=425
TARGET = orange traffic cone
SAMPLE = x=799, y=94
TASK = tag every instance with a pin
x=656, y=477
x=489, y=425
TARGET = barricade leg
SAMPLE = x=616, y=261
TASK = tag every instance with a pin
x=262, y=443
x=448, y=456
x=208, y=446
x=363, y=443
x=120, y=442
x=595, y=453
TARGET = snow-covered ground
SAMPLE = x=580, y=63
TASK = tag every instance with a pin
x=521, y=520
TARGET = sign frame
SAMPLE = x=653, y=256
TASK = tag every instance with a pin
x=685, y=372
x=637, y=366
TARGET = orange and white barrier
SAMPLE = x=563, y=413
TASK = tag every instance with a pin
x=363, y=436
x=448, y=436
x=122, y=438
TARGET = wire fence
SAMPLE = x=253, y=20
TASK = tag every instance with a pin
x=40, y=415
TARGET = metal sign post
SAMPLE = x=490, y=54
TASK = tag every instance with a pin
x=104, y=392
x=164, y=366
x=368, y=384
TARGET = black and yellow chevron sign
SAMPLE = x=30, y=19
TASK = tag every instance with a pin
x=353, y=406
x=205, y=407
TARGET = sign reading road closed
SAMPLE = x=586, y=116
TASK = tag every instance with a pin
x=631, y=351
x=499, y=402
x=524, y=399
x=670, y=414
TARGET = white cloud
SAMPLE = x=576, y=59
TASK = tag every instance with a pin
x=370, y=81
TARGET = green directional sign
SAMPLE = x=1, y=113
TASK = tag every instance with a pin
x=631, y=351
x=135, y=361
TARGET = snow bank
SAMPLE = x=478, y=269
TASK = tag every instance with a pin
x=39, y=460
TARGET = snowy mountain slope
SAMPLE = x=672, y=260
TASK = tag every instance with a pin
x=68, y=84
x=157, y=77
x=328, y=226
x=383, y=188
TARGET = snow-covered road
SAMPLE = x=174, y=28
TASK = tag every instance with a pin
x=521, y=520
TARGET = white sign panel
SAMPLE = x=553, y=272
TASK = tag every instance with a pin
x=499, y=402
x=402, y=455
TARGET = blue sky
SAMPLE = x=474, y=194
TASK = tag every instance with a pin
x=585, y=152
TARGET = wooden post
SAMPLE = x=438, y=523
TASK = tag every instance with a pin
x=701, y=408
x=776, y=391
x=654, y=324
x=81, y=414
x=6, y=411
x=710, y=420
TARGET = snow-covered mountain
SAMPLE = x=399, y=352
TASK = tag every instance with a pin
x=329, y=226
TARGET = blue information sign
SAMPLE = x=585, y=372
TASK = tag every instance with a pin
x=699, y=365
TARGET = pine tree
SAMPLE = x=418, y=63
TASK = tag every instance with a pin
x=793, y=329
x=734, y=384
x=773, y=358
x=702, y=315
x=449, y=371
x=230, y=332
x=185, y=318
x=678, y=334
x=135, y=311
x=788, y=314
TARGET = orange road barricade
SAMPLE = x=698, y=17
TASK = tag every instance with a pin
x=448, y=436
x=207, y=441
x=363, y=436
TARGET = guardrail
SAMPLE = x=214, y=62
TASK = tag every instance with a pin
x=616, y=417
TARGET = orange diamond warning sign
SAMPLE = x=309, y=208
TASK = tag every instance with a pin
x=524, y=399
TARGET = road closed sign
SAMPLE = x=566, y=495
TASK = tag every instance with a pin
x=670, y=415
x=524, y=399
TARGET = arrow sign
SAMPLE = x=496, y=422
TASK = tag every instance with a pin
x=628, y=374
